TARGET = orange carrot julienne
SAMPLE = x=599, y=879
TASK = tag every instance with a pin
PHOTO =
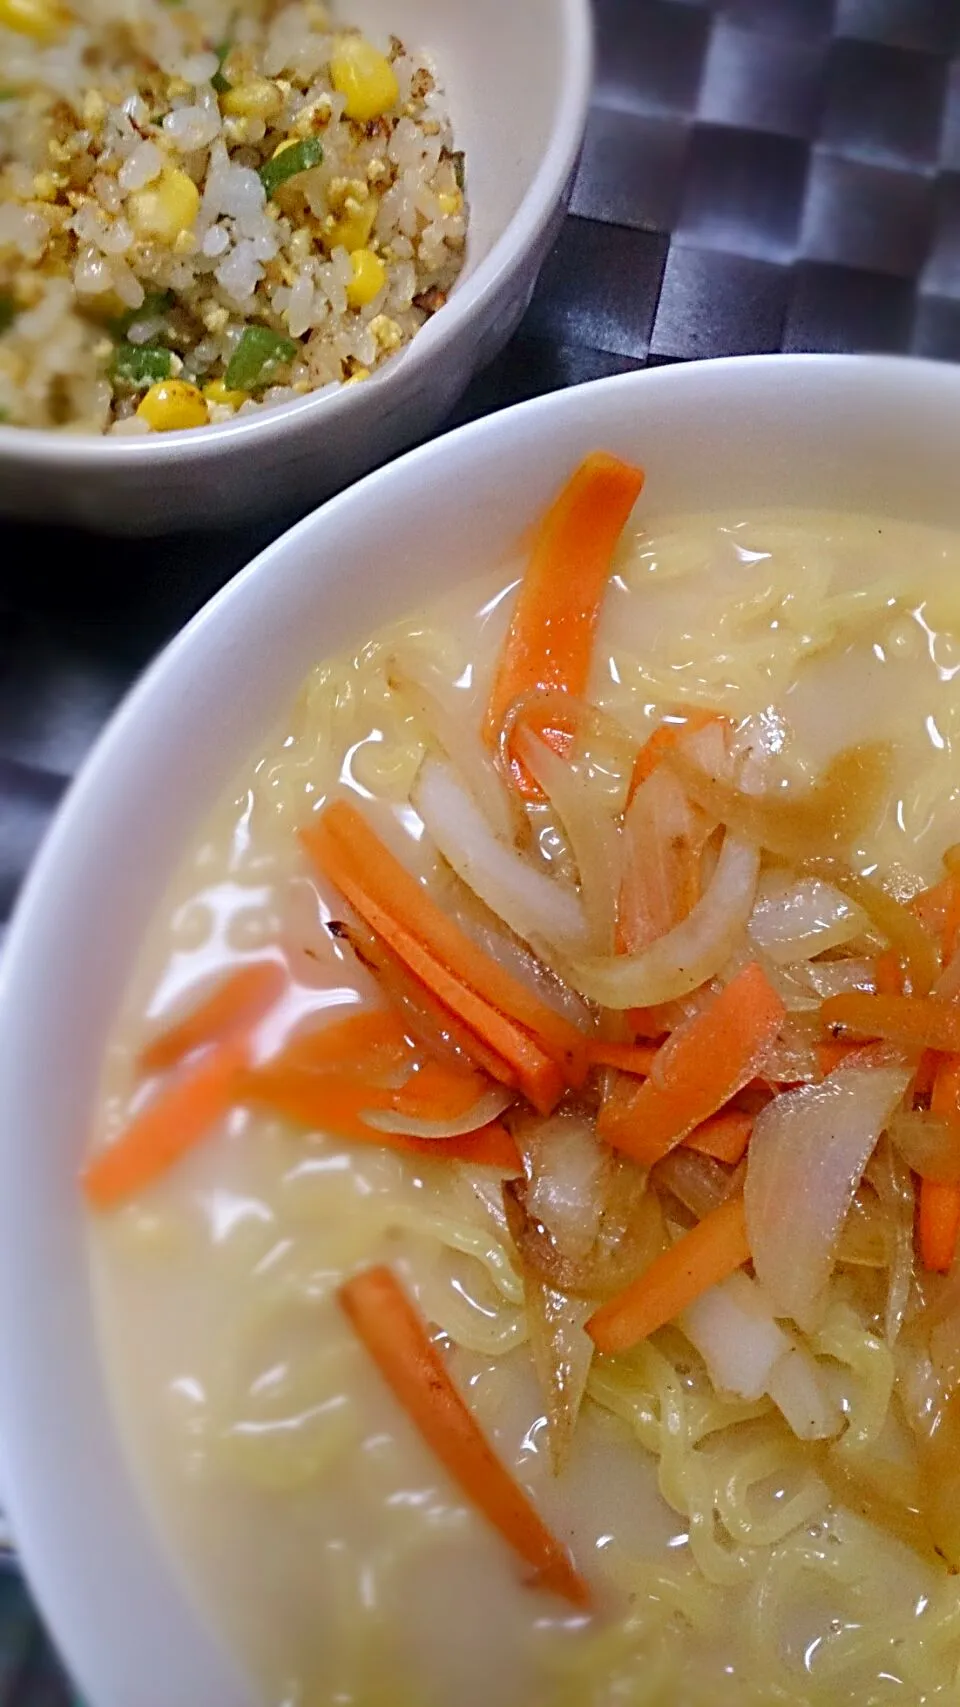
x=628, y=1057
x=923, y=1022
x=938, y=1215
x=177, y=1119
x=697, y=1071
x=709, y=1253
x=530, y=1036
x=233, y=1007
x=939, y=909
x=426, y=1018
x=831, y=1054
x=549, y=645
x=396, y=1337
x=364, y=1036
x=664, y=739
x=336, y=1103
x=724, y=1136
x=888, y=974
x=938, y=1224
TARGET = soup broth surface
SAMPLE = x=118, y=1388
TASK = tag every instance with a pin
x=313, y=1525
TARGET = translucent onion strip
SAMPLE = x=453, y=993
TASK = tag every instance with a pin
x=486, y=1108
x=457, y=736
x=590, y=831
x=536, y=907
x=696, y=950
x=796, y=823
x=807, y=1156
x=794, y=920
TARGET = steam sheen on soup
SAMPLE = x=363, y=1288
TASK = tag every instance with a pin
x=759, y=1493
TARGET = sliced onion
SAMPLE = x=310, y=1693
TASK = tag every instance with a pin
x=687, y=956
x=796, y=919
x=735, y=1333
x=624, y=1218
x=590, y=830
x=928, y=1145
x=663, y=839
x=456, y=736
x=567, y=1177
x=835, y=977
x=800, y=1393
x=895, y=923
x=807, y=1155
x=562, y=1354
x=488, y=1107
x=698, y=1182
x=893, y=1183
x=505, y=946
x=537, y=907
x=796, y=823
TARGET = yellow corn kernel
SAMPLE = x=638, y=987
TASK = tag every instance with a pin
x=257, y=99
x=367, y=80
x=172, y=405
x=354, y=229
x=369, y=278
x=165, y=208
x=218, y=392
x=38, y=18
x=450, y=203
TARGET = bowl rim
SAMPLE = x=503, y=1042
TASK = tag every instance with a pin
x=40, y=446
x=18, y=1449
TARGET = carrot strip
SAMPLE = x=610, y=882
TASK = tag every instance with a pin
x=549, y=645
x=335, y=1104
x=176, y=1120
x=921, y=1021
x=938, y=1224
x=426, y=1018
x=396, y=1336
x=234, y=1006
x=938, y=1217
x=939, y=910
x=888, y=974
x=664, y=739
x=711, y=1251
x=531, y=1037
x=628, y=1057
x=357, y=1040
x=705, y=1063
x=724, y=1136
x=831, y=1054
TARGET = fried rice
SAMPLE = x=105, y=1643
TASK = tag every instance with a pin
x=209, y=208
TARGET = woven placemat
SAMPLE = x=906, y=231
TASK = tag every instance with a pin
x=758, y=175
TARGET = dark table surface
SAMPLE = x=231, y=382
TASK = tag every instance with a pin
x=758, y=175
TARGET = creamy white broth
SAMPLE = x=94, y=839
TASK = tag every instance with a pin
x=311, y=1522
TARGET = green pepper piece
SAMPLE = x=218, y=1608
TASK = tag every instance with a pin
x=299, y=157
x=141, y=364
x=460, y=168
x=256, y=357
x=7, y=93
x=154, y=302
x=8, y=312
x=218, y=81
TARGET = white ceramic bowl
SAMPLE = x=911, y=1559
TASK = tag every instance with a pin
x=857, y=433
x=518, y=77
